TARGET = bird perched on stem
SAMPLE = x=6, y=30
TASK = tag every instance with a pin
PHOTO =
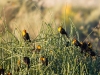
x=9, y=73
x=27, y=61
x=44, y=60
x=76, y=42
x=38, y=49
x=2, y=71
x=26, y=36
x=87, y=48
x=62, y=31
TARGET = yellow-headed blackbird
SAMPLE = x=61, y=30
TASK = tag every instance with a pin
x=44, y=60
x=89, y=45
x=38, y=48
x=27, y=61
x=2, y=71
x=26, y=36
x=62, y=31
x=92, y=53
x=86, y=47
x=9, y=73
x=76, y=42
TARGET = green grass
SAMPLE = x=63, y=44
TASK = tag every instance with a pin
x=63, y=60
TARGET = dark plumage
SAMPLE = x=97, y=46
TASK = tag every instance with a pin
x=76, y=42
x=26, y=36
x=44, y=60
x=92, y=53
x=84, y=47
x=2, y=71
x=62, y=31
x=27, y=61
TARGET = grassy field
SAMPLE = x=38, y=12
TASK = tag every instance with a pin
x=64, y=58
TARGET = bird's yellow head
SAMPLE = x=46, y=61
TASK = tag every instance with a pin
x=89, y=45
x=38, y=47
x=59, y=28
x=9, y=73
x=74, y=41
x=81, y=43
x=42, y=59
x=23, y=32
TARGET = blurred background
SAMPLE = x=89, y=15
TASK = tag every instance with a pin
x=17, y=15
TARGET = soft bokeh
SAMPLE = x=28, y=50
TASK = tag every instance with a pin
x=17, y=15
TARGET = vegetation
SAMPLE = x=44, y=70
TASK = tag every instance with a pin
x=50, y=53
x=43, y=48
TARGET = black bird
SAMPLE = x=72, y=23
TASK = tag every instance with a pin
x=86, y=47
x=9, y=73
x=62, y=31
x=26, y=36
x=27, y=61
x=44, y=60
x=76, y=42
x=2, y=71
x=92, y=53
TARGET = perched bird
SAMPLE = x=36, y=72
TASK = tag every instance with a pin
x=26, y=36
x=62, y=31
x=86, y=47
x=9, y=73
x=76, y=42
x=44, y=60
x=89, y=45
x=2, y=71
x=92, y=53
x=38, y=49
x=27, y=61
